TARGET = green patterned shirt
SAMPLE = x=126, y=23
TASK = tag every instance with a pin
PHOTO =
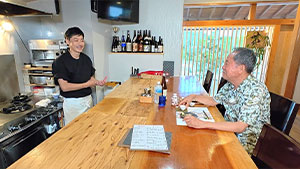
x=249, y=103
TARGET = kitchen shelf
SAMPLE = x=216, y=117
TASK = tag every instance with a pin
x=40, y=74
x=137, y=53
x=37, y=68
x=42, y=85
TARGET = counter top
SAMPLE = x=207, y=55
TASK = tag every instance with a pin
x=91, y=139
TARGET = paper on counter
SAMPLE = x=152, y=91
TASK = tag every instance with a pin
x=148, y=137
x=202, y=113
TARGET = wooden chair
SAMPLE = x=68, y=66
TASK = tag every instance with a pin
x=220, y=106
x=208, y=80
x=283, y=112
x=274, y=149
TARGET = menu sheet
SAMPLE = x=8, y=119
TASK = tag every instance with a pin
x=201, y=113
x=148, y=137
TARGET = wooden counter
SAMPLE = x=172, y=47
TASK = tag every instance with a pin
x=90, y=141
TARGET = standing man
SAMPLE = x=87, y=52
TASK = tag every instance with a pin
x=247, y=101
x=73, y=71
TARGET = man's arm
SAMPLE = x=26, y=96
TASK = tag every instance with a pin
x=66, y=86
x=237, y=127
x=204, y=99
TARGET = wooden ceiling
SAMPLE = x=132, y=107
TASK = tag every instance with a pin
x=264, y=10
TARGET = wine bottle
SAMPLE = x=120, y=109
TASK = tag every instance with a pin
x=123, y=44
x=160, y=45
x=146, y=43
x=153, y=44
x=164, y=86
x=119, y=48
x=134, y=42
x=128, y=43
x=141, y=42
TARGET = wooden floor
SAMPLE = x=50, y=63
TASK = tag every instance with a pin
x=295, y=131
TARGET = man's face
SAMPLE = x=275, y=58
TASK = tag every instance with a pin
x=76, y=43
x=231, y=69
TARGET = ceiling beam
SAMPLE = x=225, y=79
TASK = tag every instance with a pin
x=237, y=3
x=279, y=10
x=252, y=12
x=240, y=22
x=212, y=12
x=292, y=11
x=199, y=13
x=238, y=12
x=265, y=11
x=225, y=12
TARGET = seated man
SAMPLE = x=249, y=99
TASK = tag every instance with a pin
x=247, y=101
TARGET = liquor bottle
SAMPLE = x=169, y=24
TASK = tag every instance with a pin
x=119, y=47
x=113, y=44
x=146, y=43
x=141, y=42
x=164, y=85
x=128, y=43
x=156, y=46
x=123, y=44
x=160, y=45
x=152, y=44
x=134, y=42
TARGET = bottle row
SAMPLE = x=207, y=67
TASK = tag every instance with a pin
x=139, y=43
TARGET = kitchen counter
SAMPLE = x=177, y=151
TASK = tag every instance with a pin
x=91, y=140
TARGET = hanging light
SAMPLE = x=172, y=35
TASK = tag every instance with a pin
x=7, y=25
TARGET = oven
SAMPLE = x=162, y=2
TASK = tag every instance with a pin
x=21, y=135
x=44, y=51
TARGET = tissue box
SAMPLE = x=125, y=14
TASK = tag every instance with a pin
x=144, y=99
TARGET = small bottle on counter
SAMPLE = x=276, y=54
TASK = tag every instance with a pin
x=174, y=99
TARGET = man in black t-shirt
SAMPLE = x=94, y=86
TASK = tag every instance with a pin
x=73, y=71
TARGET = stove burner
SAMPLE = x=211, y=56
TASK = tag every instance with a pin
x=17, y=108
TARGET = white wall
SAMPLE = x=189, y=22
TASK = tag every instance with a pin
x=163, y=18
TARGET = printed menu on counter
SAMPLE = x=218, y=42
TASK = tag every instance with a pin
x=149, y=137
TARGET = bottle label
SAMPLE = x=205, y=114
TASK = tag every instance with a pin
x=152, y=48
x=160, y=48
x=141, y=47
x=128, y=47
x=146, y=48
x=134, y=47
x=165, y=92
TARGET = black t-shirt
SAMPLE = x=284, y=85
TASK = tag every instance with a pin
x=74, y=71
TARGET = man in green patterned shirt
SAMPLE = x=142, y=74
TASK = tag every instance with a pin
x=247, y=101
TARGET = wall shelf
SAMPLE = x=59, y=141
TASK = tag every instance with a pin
x=42, y=85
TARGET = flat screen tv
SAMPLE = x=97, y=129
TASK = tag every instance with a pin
x=119, y=10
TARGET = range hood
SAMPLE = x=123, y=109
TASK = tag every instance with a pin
x=19, y=8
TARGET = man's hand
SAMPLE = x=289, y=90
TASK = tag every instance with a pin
x=92, y=82
x=193, y=122
x=186, y=101
x=102, y=82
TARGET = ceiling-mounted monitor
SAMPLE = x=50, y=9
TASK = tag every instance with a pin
x=119, y=10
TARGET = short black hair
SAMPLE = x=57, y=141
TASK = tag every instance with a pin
x=245, y=56
x=73, y=31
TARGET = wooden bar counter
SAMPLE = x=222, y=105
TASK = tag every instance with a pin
x=90, y=140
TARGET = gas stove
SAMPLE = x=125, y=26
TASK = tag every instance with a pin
x=27, y=120
x=18, y=104
x=19, y=136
